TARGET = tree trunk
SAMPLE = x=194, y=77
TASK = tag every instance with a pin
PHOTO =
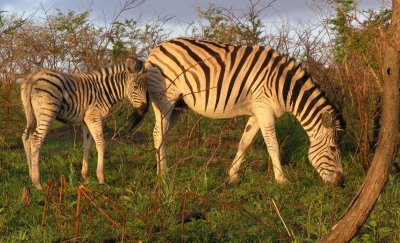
x=388, y=143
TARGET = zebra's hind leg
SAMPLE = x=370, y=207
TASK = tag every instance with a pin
x=45, y=108
x=93, y=121
x=36, y=141
x=87, y=144
x=266, y=120
x=248, y=136
x=26, y=136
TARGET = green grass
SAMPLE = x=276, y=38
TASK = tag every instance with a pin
x=199, y=159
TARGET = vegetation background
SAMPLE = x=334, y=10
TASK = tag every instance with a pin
x=341, y=54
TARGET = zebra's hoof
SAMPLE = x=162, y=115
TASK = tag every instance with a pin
x=101, y=180
x=234, y=184
x=282, y=181
x=38, y=186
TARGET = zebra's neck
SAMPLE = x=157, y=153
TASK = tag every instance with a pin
x=114, y=81
x=302, y=98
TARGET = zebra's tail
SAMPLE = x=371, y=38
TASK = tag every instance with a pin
x=26, y=89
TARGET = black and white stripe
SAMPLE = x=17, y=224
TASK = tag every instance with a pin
x=225, y=81
x=78, y=98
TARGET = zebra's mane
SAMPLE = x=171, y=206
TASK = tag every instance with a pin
x=111, y=69
x=339, y=122
x=119, y=67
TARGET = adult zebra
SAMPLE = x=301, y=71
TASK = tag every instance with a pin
x=225, y=81
x=79, y=98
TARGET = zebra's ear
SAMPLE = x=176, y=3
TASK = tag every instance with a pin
x=134, y=65
x=327, y=119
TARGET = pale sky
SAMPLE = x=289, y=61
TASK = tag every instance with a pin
x=182, y=12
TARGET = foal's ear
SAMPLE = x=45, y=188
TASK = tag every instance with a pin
x=134, y=65
x=327, y=120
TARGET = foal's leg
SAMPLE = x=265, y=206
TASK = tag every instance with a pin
x=36, y=140
x=93, y=121
x=87, y=144
x=26, y=140
x=45, y=108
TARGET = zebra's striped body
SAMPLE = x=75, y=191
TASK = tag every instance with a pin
x=78, y=98
x=225, y=81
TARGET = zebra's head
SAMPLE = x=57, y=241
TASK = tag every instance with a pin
x=136, y=90
x=324, y=152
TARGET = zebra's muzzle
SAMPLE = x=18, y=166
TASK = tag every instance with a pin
x=142, y=109
x=144, y=106
x=339, y=179
x=138, y=114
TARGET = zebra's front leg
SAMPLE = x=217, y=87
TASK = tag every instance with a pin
x=248, y=136
x=159, y=133
x=266, y=120
x=87, y=144
x=93, y=121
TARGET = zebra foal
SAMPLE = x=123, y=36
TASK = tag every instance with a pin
x=223, y=81
x=84, y=98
